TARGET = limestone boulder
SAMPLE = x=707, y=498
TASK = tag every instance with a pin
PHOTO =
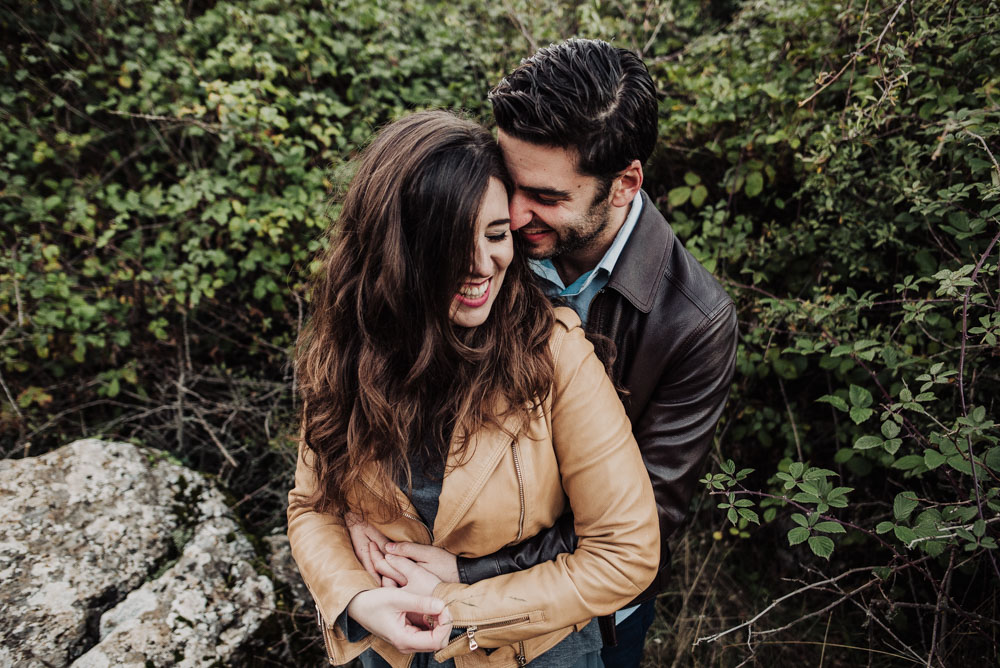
x=111, y=554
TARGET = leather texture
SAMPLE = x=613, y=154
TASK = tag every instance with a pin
x=504, y=489
x=675, y=333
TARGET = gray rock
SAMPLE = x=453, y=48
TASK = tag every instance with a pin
x=113, y=554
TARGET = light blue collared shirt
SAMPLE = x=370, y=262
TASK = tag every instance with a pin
x=580, y=293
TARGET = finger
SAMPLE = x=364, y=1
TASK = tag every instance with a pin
x=384, y=568
x=406, y=567
x=417, y=640
x=376, y=536
x=414, y=551
x=425, y=605
x=389, y=582
x=363, y=552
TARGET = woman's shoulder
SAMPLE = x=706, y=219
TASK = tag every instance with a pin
x=568, y=341
x=567, y=317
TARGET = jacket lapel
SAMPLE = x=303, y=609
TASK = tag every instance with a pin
x=643, y=258
x=465, y=478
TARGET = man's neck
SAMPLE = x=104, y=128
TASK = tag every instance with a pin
x=574, y=264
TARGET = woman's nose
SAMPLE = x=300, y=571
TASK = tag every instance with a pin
x=481, y=261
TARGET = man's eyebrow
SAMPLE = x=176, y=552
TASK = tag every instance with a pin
x=546, y=192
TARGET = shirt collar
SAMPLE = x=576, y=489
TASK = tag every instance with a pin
x=547, y=270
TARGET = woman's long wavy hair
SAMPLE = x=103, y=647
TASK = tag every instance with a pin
x=384, y=374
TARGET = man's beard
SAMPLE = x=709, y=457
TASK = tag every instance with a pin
x=582, y=235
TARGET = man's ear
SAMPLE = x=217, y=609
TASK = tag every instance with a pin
x=626, y=185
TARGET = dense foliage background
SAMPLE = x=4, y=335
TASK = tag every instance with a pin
x=165, y=171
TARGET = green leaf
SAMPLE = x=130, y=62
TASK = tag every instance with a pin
x=905, y=535
x=821, y=546
x=754, y=184
x=933, y=459
x=884, y=527
x=698, y=195
x=691, y=179
x=904, y=504
x=859, y=415
x=867, y=442
x=830, y=527
x=678, y=196
x=908, y=462
x=797, y=535
x=795, y=469
x=834, y=401
x=992, y=459
x=860, y=397
x=800, y=519
x=749, y=515
x=890, y=429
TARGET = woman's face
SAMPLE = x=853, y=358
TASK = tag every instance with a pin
x=493, y=252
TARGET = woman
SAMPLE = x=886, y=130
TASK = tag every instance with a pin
x=433, y=364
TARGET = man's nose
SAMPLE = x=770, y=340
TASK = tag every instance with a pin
x=520, y=211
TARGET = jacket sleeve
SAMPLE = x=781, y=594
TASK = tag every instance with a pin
x=543, y=546
x=321, y=547
x=675, y=430
x=614, y=517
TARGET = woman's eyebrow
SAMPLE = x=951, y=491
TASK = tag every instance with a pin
x=499, y=221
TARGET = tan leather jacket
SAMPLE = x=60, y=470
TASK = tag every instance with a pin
x=580, y=442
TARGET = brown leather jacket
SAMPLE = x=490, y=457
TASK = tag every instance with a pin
x=508, y=489
x=674, y=328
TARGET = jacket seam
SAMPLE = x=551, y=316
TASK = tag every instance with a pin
x=703, y=326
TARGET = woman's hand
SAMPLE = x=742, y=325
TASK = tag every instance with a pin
x=408, y=621
x=437, y=560
x=366, y=540
x=407, y=574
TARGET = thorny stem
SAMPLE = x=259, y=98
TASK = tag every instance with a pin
x=961, y=381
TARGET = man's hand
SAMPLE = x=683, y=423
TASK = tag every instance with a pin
x=408, y=621
x=366, y=540
x=408, y=574
x=438, y=561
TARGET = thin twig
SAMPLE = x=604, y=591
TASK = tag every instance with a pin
x=225, y=453
x=10, y=397
x=791, y=420
x=214, y=128
x=781, y=599
x=961, y=383
x=512, y=15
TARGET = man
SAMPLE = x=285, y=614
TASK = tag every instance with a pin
x=577, y=121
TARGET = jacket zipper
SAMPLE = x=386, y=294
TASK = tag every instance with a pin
x=470, y=632
x=520, y=489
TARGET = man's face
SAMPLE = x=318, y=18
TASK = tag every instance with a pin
x=553, y=207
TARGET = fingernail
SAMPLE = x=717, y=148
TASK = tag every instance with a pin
x=390, y=546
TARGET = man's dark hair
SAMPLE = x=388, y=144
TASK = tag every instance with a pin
x=584, y=94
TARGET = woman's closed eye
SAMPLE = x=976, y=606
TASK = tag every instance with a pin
x=498, y=231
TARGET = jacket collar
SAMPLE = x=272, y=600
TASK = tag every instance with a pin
x=642, y=264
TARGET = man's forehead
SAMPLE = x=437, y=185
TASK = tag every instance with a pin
x=540, y=166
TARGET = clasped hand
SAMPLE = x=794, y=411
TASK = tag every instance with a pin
x=403, y=611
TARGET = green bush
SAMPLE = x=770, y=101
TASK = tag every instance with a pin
x=166, y=169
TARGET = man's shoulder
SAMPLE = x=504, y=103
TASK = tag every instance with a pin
x=655, y=268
